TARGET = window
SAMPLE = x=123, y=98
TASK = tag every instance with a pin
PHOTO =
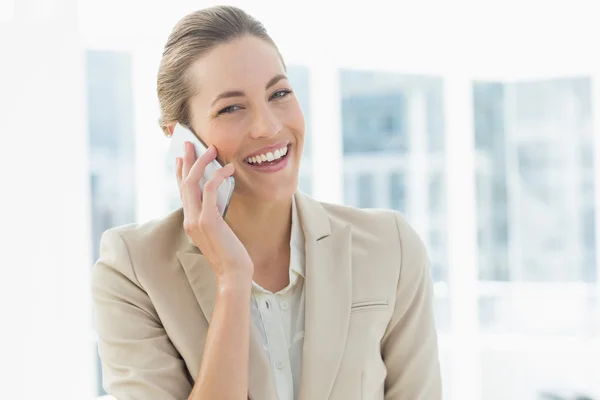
x=373, y=118
x=436, y=193
x=398, y=191
x=365, y=191
x=537, y=236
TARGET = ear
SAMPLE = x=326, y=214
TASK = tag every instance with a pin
x=171, y=128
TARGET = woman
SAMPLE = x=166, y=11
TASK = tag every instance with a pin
x=305, y=300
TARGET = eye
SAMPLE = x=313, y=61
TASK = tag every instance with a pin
x=229, y=110
x=280, y=94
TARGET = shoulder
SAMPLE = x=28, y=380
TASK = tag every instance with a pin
x=386, y=232
x=152, y=236
x=140, y=244
x=367, y=218
x=387, y=224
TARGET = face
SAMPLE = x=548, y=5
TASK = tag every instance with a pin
x=245, y=106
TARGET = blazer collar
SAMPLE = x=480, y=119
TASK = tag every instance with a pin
x=328, y=296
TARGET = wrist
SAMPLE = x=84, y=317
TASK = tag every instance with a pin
x=236, y=281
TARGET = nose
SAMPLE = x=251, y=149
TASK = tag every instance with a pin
x=266, y=124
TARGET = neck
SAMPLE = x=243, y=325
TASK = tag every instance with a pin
x=263, y=227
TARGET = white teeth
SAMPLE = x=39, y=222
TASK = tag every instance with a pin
x=270, y=156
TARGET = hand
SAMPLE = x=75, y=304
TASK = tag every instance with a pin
x=203, y=221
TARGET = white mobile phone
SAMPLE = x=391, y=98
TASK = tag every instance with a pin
x=176, y=149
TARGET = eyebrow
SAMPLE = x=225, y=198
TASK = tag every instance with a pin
x=240, y=93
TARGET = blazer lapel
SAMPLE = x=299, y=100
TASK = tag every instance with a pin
x=202, y=279
x=328, y=290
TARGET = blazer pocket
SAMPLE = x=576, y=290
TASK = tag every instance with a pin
x=369, y=305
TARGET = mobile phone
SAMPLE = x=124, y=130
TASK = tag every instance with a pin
x=180, y=135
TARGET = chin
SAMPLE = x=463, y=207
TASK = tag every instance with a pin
x=268, y=193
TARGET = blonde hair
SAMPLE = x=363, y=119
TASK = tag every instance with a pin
x=192, y=37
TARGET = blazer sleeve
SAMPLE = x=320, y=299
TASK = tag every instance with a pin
x=139, y=362
x=409, y=345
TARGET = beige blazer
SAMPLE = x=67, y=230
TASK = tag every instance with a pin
x=369, y=330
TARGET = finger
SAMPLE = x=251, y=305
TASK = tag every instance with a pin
x=178, y=171
x=191, y=198
x=190, y=213
x=189, y=157
x=191, y=191
x=197, y=170
x=209, y=193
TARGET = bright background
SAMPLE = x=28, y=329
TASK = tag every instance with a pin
x=480, y=121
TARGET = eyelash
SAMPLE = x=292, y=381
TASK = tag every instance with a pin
x=282, y=93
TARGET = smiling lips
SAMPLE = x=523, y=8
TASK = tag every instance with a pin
x=267, y=156
x=270, y=161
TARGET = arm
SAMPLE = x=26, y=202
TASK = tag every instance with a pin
x=225, y=363
x=409, y=345
x=224, y=369
x=139, y=361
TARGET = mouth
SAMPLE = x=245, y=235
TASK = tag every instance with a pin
x=270, y=161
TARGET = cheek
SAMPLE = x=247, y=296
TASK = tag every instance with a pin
x=300, y=122
x=298, y=119
x=225, y=137
x=293, y=118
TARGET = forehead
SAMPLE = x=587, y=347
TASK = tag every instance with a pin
x=245, y=64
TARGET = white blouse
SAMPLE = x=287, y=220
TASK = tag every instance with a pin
x=279, y=318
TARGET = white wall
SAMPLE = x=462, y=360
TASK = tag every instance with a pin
x=46, y=348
